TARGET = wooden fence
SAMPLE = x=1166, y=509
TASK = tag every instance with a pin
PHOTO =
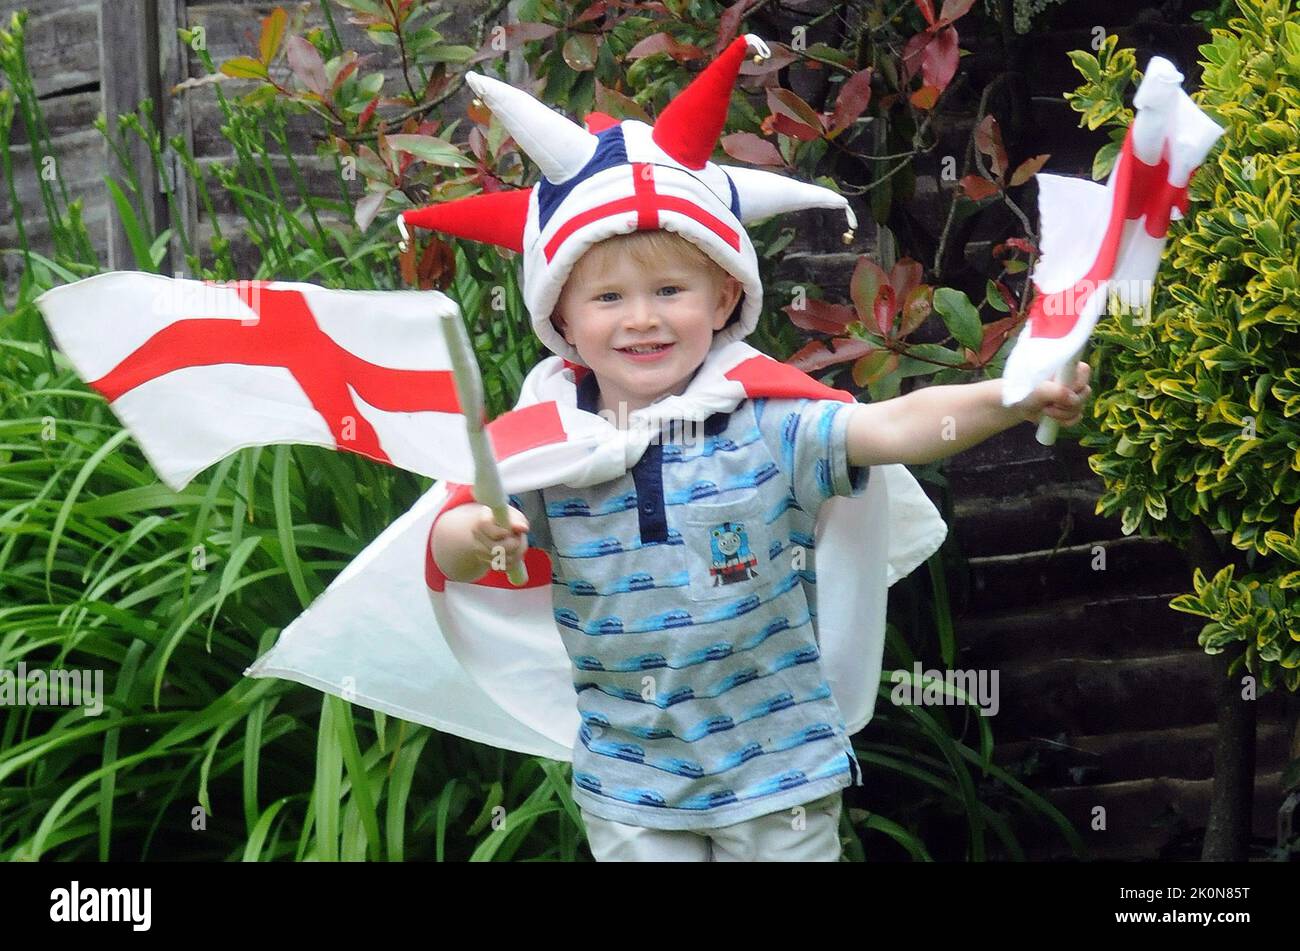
x=93, y=58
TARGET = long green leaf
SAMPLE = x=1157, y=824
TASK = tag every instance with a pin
x=284, y=525
x=85, y=473
x=326, y=793
x=135, y=233
x=399, y=792
x=253, y=849
x=362, y=794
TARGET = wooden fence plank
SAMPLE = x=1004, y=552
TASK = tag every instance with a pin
x=128, y=38
x=177, y=120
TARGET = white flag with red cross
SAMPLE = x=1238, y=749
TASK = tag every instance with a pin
x=1099, y=241
x=196, y=370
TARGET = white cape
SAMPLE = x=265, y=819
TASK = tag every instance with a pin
x=488, y=664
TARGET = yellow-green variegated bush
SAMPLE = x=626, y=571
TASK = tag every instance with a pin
x=1197, y=413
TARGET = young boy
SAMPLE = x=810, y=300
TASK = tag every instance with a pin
x=684, y=590
x=653, y=291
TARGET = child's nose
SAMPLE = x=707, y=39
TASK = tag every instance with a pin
x=642, y=311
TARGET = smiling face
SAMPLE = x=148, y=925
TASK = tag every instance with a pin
x=728, y=541
x=620, y=297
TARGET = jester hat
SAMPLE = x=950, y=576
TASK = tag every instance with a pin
x=615, y=177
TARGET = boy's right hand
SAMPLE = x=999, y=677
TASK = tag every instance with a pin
x=491, y=542
x=467, y=540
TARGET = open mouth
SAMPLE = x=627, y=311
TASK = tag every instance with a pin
x=647, y=352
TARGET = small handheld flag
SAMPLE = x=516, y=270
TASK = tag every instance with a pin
x=1098, y=241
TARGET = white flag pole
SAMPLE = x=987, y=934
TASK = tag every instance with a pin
x=469, y=392
x=1047, y=426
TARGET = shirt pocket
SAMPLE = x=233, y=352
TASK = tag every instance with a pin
x=726, y=548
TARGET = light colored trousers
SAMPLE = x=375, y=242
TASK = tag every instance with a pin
x=774, y=837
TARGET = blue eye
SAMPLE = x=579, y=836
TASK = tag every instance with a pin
x=608, y=296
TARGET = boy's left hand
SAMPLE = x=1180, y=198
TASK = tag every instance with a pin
x=1056, y=400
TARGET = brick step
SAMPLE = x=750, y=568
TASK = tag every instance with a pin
x=1063, y=514
x=1177, y=752
x=1083, y=696
x=1016, y=448
x=1140, y=567
x=1012, y=478
x=1113, y=627
x=1161, y=818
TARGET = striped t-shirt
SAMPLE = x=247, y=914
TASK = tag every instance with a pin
x=683, y=591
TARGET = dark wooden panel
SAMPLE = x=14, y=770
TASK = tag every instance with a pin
x=232, y=30
x=65, y=114
x=62, y=44
x=1089, y=761
x=95, y=214
x=80, y=160
x=1119, y=626
x=1158, y=818
x=10, y=7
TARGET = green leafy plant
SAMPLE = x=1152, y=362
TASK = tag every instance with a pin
x=1195, y=418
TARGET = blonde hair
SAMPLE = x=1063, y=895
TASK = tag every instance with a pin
x=650, y=249
x=653, y=248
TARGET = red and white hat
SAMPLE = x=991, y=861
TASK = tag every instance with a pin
x=615, y=177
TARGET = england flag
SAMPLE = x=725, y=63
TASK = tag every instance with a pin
x=196, y=370
x=1099, y=241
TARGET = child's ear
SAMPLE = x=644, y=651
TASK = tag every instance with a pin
x=729, y=291
x=557, y=321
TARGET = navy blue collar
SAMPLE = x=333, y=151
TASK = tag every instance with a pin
x=588, y=393
x=589, y=400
